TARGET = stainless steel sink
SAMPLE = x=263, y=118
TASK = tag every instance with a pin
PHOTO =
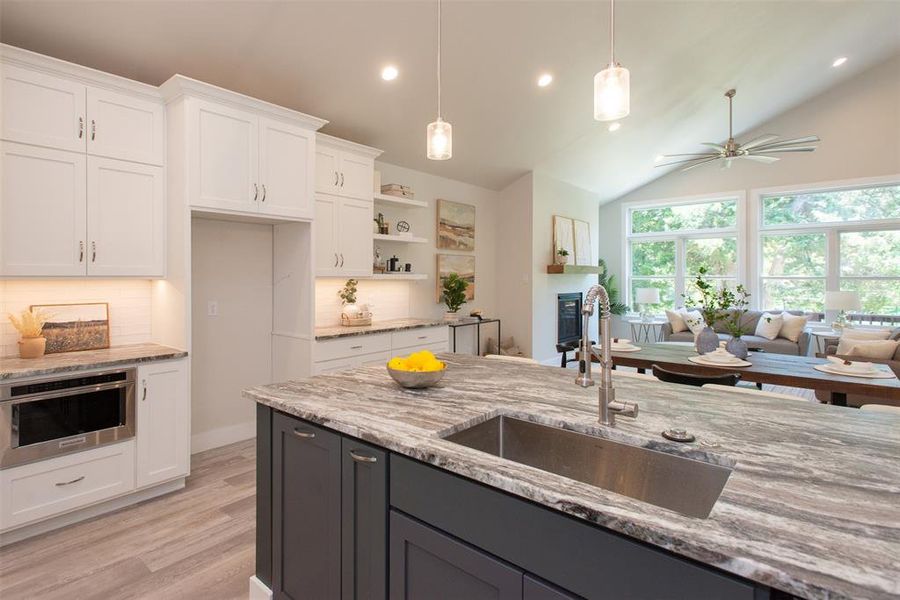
x=687, y=486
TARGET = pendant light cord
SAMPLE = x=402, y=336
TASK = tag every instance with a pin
x=612, y=32
x=439, y=61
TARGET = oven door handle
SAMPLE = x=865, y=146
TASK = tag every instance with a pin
x=68, y=392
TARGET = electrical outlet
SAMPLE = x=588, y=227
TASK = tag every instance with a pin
x=212, y=308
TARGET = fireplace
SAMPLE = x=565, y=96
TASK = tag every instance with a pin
x=568, y=319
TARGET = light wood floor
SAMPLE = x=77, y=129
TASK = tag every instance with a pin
x=196, y=543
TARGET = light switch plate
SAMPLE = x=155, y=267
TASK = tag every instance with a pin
x=212, y=308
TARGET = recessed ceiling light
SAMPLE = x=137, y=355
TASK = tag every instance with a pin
x=545, y=79
x=839, y=61
x=389, y=73
x=614, y=126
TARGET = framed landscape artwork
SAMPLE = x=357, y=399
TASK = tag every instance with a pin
x=455, y=226
x=462, y=265
x=583, y=253
x=73, y=327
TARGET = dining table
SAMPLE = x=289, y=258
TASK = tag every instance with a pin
x=766, y=367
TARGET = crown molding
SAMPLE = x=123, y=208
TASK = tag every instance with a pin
x=323, y=139
x=179, y=86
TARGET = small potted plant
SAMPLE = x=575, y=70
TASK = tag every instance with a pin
x=30, y=325
x=737, y=301
x=710, y=309
x=562, y=256
x=454, y=295
x=348, y=298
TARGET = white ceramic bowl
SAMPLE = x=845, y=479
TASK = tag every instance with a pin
x=416, y=379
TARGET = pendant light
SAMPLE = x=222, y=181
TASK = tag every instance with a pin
x=439, y=135
x=611, y=85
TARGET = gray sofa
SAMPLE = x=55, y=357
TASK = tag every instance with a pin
x=857, y=399
x=748, y=322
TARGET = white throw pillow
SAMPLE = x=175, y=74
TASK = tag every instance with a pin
x=769, y=325
x=694, y=321
x=676, y=320
x=792, y=326
x=878, y=349
x=865, y=334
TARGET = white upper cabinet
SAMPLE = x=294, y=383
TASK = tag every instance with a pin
x=345, y=168
x=225, y=153
x=120, y=126
x=343, y=229
x=42, y=212
x=125, y=218
x=286, y=165
x=43, y=110
x=326, y=233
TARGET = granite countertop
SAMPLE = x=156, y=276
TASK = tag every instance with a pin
x=64, y=362
x=328, y=333
x=811, y=507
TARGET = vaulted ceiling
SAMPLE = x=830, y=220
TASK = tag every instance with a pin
x=324, y=58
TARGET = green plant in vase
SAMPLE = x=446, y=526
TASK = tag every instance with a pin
x=711, y=310
x=736, y=301
x=562, y=256
x=453, y=294
x=348, y=298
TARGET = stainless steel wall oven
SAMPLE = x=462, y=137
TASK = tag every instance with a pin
x=47, y=417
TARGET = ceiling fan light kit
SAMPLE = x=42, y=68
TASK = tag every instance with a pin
x=439, y=134
x=758, y=149
x=612, y=85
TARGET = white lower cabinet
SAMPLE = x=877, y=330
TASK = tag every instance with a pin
x=163, y=422
x=55, y=486
x=374, y=349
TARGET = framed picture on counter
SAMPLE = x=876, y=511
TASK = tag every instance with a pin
x=73, y=327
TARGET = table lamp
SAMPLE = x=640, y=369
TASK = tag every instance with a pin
x=645, y=297
x=842, y=301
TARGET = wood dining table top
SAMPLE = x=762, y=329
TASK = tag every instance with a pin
x=775, y=369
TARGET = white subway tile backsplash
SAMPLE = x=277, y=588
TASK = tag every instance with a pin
x=387, y=299
x=129, y=305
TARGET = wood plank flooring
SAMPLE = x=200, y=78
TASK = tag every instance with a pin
x=196, y=543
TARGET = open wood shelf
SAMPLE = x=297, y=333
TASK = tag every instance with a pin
x=401, y=276
x=409, y=202
x=399, y=238
x=572, y=270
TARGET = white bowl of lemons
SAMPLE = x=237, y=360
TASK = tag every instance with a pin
x=418, y=370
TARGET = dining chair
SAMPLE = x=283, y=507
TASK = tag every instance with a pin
x=662, y=374
x=754, y=392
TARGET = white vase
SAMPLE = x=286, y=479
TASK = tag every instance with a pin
x=351, y=310
x=451, y=315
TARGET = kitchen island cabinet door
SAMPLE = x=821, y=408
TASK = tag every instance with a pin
x=306, y=510
x=364, y=507
x=426, y=564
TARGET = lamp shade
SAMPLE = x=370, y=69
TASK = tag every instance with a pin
x=842, y=301
x=439, y=142
x=646, y=295
x=612, y=94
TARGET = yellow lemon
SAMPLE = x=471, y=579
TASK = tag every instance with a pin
x=397, y=363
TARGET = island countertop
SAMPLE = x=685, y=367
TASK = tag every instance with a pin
x=811, y=507
x=66, y=362
x=328, y=333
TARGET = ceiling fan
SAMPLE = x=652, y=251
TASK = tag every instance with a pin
x=757, y=149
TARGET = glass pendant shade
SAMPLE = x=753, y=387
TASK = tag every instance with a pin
x=439, y=140
x=611, y=93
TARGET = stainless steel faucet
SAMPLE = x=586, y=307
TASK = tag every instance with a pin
x=609, y=406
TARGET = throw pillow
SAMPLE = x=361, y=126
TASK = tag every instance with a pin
x=877, y=349
x=865, y=334
x=769, y=325
x=792, y=326
x=694, y=321
x=676, y=320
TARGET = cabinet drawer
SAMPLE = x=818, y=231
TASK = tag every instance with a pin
x=356, y=345
x=351, y=362
x=47, y=488
x=424, y=336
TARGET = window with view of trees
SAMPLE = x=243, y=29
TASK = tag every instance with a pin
x=668, y=244
x=846, y=239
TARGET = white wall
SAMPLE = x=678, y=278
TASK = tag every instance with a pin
x=418, y=298
x=128, y=299
x=514, y=261
x=554, y=197
x=858, y=122
x=232, y=265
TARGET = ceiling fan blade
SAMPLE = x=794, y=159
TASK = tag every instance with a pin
x=794, y=149
x=692, y=154
x=718, y=147
x=801, y=140
x=697, y=164
x=687, y=160
x=759, y=141
x=761, y=158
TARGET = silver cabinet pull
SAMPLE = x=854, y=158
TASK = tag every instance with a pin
x=342, y=259
x=362, y=457
x=76, y=480
x=80, y=127
x=144, y=393
x=335, y=259
x=342, y=180
x=306, y=435
x=264, y=193
x=255, y=192
x=423, y=337
x=93, y=251
x=93, y=130
x=355, y=347
x=81, y=252
x=335, y=178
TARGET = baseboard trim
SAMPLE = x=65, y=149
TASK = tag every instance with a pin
x=89, y=512
x=258, y=590
x=215, y=438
